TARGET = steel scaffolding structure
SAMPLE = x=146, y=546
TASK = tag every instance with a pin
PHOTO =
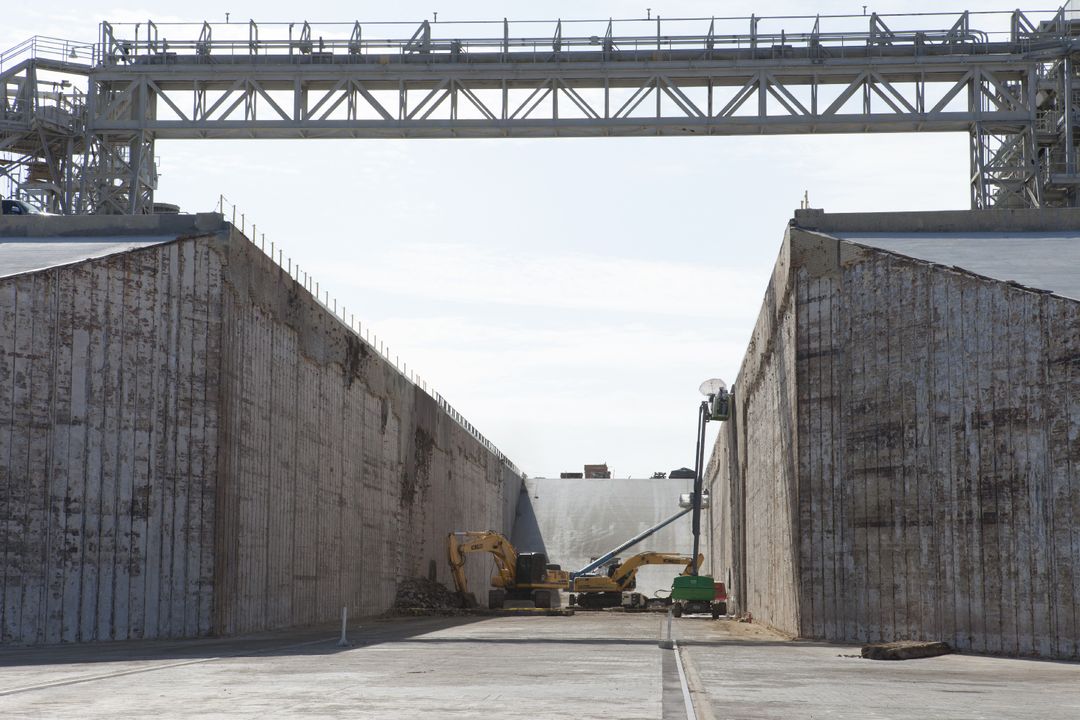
x=1012, y=90
x=42, y=124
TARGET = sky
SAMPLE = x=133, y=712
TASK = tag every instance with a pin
x=567, y=295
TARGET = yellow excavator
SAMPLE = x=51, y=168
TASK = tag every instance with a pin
x=520, y=579
x=607, y=589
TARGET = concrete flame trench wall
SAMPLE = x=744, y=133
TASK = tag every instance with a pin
x=904, y=461
x=191, y=445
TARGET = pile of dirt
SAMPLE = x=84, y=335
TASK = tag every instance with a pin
x=420, y=596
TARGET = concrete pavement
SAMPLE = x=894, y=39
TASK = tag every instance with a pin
x=512, y=667
x=748, y=673
x=591, y=665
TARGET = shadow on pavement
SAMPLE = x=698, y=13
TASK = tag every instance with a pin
x=526, y=640
x=317, y=640
x=846, y=649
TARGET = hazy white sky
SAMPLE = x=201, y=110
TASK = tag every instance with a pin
x=567, y=295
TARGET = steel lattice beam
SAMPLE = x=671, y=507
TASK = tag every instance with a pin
x=555, y=101
x=1014, y=95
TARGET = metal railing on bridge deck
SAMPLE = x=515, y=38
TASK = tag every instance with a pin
x=73, y=54
x=362, y=332
x=50, y=97
x=636, y=38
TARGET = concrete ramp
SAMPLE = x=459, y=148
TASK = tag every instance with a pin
x=575, y=520
x=1041, y=260
x=22, y=255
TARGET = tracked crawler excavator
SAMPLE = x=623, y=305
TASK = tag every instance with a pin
x=520, y=578
x=615, y=587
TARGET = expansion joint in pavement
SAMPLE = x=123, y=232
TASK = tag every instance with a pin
x=676, y=700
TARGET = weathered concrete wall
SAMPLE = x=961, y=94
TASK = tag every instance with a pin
x=940, y=483
x=725, y=518
x=766, y=525
x=108, y=447
x=937, y=430
x=338, y=476
x=190, y=444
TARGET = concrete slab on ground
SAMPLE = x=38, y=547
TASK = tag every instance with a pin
x=591, y=665
x=748, y=673
x=513, y=667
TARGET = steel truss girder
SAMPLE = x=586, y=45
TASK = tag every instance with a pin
x=990, y=97
x=1016, y=99
x=350, y=101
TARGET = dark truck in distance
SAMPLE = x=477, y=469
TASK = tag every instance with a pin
x=18, y=207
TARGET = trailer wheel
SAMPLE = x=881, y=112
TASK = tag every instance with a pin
x=573, y=599
x=676, y=610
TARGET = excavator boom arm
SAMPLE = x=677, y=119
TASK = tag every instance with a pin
x=624, y=575
x=459, y=544
x=627, y=570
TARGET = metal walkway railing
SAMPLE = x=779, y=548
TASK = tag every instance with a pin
x=518, y=40
x=70, y=54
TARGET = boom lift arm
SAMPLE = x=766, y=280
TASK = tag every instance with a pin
x=624, y=575
x=629, y=543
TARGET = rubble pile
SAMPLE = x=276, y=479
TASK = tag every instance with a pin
x=419, y=595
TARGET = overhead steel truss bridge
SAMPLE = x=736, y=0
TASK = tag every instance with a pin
x=79, y=122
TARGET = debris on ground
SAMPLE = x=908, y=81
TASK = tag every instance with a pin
x=905, y=650
x=421, y=596
x=522, y=612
